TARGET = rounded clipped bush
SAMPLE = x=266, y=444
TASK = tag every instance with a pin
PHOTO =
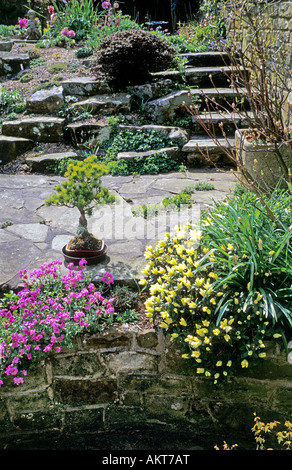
x=129, y=57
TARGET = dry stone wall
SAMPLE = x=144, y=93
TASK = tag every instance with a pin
x=127, y=380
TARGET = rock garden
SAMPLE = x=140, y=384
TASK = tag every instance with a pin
x=145, y=178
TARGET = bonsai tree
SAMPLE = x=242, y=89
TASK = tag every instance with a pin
x=83, y=190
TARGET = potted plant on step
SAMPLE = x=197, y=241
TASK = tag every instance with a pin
x=83, y=190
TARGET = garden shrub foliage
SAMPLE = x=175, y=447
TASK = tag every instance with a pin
x=224, y=290
x=130, y=56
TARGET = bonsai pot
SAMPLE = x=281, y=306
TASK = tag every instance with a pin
x=91, y=256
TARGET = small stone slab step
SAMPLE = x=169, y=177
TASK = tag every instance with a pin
x=203, y=59
x=171, y=151
x=45, y=101
x=198, y=146
x=42, y=162
x=229, y=120
x=6, y=46
x=198, y=142
x=200, y=76
x=13, y=63
x=12, y=147
x=222, y=95
x=84, y=86
x=38, y=129
x=107, y=103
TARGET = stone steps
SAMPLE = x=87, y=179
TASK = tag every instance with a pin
x=164, y=108
x=213, y=120
x=204, y=59
x=38, y=129
x=107, y=103
x=84, y=86
x=40, y=163
x=198, y=145
x=204, y=76
x=12, y=147
x=95, y=97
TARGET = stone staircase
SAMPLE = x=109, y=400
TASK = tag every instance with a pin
x=95, y=97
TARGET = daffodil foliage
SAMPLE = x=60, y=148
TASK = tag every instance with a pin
x=224, y=289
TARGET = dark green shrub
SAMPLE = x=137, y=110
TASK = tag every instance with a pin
x=129, y=57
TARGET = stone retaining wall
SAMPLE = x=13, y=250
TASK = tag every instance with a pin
x=126, y=381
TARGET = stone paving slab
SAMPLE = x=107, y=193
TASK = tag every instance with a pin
x=34, y=233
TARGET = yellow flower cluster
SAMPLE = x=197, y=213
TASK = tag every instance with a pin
x=185, y=296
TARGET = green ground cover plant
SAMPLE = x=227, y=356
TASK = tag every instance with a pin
x=224, y=289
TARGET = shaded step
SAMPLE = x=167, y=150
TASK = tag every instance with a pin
x=214, y=121
x=13, y=63
x=107, y=103
x=81, y=133
x=84, y=86
x=44, y=162
x=38, y=129
x=223, y=96
x=204, y=59
x=12, y=147
x=198, y=146
x=203, y=76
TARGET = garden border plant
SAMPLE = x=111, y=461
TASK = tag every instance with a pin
x=48, y=313
x=225, y=290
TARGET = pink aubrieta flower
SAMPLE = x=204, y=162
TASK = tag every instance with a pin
x=44, y=308
x=105, y=5
x=107, y=278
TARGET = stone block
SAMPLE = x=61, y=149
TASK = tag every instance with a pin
x=151, y=90
x=107, y=103
x=45, y=101
x=147, y=339
x=78, y=365
x=38, y=129
x=88, y=391
x=6, y=46
x=42, y=162
x=13, y=63
x=84, y=86
x=81, y=133
x=131, y=361
x=12, y=147
x=110, y=339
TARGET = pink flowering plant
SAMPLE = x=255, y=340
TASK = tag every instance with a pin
x=22, y=22
x=48, y=313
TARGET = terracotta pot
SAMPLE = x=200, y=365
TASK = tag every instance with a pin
x=91, y=256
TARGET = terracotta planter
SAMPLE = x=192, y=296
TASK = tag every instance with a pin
x=91, y=256
x=267, y=170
